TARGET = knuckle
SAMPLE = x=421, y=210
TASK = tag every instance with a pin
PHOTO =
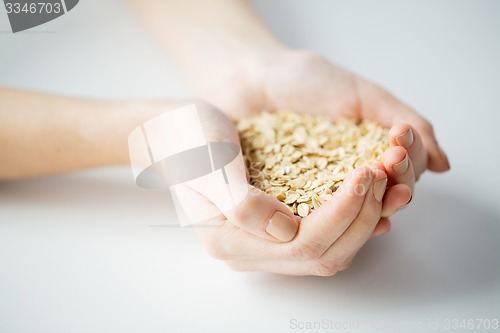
x=216, y=250
x=326, y=268
x=235, y=266
x=205, y=107
x=245, y=210
x=351, y=211
x=239, y=214
x=345, y=266
x=368, y=219
x=307, y=251
x=426, y=127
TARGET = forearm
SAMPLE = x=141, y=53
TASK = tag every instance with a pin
x=42, y=134
x=208, y=39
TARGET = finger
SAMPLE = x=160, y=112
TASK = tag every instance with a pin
x=407, y=137
x=264, y=216
x=395, y=198
x=327, y=266
x=398, y=166
x=383, y=227
x=247, y=252
x=285, y=258
x=225, y=241
x=436, y=157
x=232, y=243
x=327, y=223
x=362, y=227
x=244, y=206
x=390, y=112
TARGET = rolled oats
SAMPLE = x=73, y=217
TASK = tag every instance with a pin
x=302, y=159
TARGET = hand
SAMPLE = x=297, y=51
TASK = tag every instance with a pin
x=234, y=62
x=304, y=82
x=326, y=243
x=254, y=231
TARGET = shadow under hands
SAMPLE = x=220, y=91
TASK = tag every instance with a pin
x=441, y=247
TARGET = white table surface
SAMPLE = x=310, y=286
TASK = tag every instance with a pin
x=80, y=252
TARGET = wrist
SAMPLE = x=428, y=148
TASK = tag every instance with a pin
x=231, y=62
x=107, y=133
x=243, y=70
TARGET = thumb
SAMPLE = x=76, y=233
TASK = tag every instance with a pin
x=264, y=216
x=255, y=211
x=387, y=109
x=195, y=152
x=245, y=206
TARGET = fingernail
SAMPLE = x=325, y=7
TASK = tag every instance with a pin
x=379, y=189
x=366, y=176
x=401, y=167
x=406, y=205
x=443, y=155
x=281, y=227
x=406, y=139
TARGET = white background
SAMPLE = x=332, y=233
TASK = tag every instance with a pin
x=80, y=252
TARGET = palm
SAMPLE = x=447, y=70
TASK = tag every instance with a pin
x=311, y=84
x=305, y=82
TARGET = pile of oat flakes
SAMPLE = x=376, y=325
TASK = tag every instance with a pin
x=302, y=159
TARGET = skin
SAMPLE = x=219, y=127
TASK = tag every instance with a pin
x=231, y=60
x=43, y=134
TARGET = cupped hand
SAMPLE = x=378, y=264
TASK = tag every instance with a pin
x=326, y=242
x=305, y=82
x=251, y=230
